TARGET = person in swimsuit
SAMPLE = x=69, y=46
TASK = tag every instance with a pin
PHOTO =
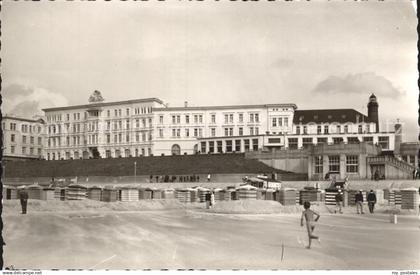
x=308, y=215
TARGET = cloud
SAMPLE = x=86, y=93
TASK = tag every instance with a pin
x=26, y=101
x=361, y=83
x=283, y=63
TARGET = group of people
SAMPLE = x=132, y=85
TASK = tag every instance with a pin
x=371, y=200
x=185, y=178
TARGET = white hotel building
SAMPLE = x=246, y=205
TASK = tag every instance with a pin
x=100, y=129
x=145, y=127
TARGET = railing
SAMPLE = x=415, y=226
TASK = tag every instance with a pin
x=391, y=160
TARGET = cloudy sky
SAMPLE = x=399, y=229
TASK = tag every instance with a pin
x=318, y=54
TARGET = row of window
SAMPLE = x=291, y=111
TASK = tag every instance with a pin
x=127, y=153
x=352, y=164
x=95, y=113
x=25, y=128
x=24, y=139
x=118, y=125
x=108, y=154
x=228, y=118
x=198, y=132
x=119, y=138
x=279, y=121
x=58, y=117
x=383, y=141
x=230, y=145
x=282, y=109
x=137, y=111
x=94, y=139
x=25, y=150
x=94, y=126
x=326, y=128
x=56, y=141
x=176, y=133
x=30, y=128
x=230, y=131
x=176, y=119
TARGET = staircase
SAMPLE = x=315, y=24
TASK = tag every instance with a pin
x=392, y=161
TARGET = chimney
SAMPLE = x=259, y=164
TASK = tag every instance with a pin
x=185, y=104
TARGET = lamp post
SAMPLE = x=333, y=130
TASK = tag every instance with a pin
x=135, y=172
x=3, y=166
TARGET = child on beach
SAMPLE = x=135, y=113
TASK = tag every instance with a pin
x=309, y=214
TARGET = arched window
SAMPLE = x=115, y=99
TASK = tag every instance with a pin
x=85, y=154
x=176, y=150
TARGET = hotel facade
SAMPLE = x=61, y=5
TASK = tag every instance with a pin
x=145, y=127
x=100, y=129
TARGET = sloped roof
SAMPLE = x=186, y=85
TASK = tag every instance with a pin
x=225, y=107
x=102, y=104
x=38, y=120
x=328, y=116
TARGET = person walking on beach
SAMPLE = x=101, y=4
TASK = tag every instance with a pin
x=211, y=199
x=308, y=215
x=23, y=196
x=208, y=200
x=338, y=202
x=359, y=202
x=371, y=198
x=208, y=177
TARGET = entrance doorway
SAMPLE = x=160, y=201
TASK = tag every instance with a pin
x=377, y=171
x=176, y=150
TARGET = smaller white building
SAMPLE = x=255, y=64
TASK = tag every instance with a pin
x=212, y=129
x=22, y=138
x=335, y=126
